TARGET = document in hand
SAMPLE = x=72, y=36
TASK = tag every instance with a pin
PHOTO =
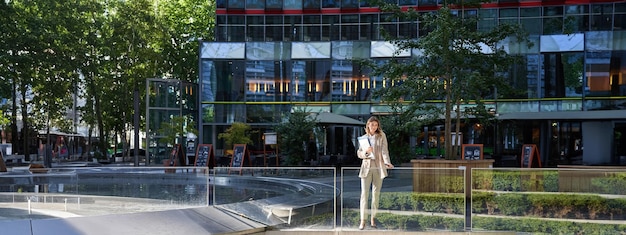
x=364, y=142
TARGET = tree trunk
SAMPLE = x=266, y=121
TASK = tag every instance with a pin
x=24, y=146
x=102, y=146
x=458, y=131
x=448, y=124
x=14, y=117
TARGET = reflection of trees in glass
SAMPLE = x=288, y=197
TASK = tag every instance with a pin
x=294, y=133
x=553, y=25
x=573, y=73
x=208, y=113
x=457, y=65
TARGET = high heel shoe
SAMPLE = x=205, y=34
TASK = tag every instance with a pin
x=362, y=226
x=373, y=224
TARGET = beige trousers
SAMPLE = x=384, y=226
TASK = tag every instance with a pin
x=373, y=181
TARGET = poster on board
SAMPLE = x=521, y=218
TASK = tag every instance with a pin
x=205, y=156
x=472, y=151
x=173, y=159
x=240, y=158
x=530, y=156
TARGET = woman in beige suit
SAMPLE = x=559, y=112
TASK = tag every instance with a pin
x=375, y=161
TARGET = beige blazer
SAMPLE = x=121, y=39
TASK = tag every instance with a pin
x=382, y=156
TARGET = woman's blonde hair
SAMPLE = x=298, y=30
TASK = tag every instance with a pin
x=373, y=119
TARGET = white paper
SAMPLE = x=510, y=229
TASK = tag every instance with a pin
x=364, y=143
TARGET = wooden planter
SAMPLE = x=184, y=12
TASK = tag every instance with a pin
x=578, y=178
x=444, y=176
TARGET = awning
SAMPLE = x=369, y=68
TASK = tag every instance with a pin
x=332, y=118
x=566, y=115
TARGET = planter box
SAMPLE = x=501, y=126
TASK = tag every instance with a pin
x=436, y=175
x=578, y=178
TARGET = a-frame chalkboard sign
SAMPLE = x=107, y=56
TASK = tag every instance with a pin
x=472, y=151
x=174, y=159
x=205, y=156
x=530, y=156
x=241, y=158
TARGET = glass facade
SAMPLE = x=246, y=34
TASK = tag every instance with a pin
x=272, y=56
x=167, y=99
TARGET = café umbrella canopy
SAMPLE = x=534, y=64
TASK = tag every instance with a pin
x=337, y=119
x=332, y=119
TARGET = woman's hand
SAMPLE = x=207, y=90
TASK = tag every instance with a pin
x=389, y=165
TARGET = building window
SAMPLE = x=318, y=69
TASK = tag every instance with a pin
x=553, y=20
x=349, y=27
x=273, y=4
x=255, y=4
x=231, y=84
x=563, y=75
x=330, y=3
x=312, y=79
x=312, y=27
x=330, y=27
x=256, y=28
x=312, y=4
x=293, y=4
x=601, y=16
x=274, y=28
x=236, y=4
x=293, y=28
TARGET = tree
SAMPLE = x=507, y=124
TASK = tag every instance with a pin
x=294, y=133
x=184, y=24
x=237, y=133
x=106, y=48
x=397, y=137
x=176, y=129
x=457, y=64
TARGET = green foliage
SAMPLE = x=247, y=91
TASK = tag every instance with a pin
x=547, y=181
x=512, y=204
x=435, y=202
x=452, y=67
x=3, y=120
x=528, y=224
x=483, y=202
x=107, y=48
x=176, y=128
x=293, y=134
x=452, y=184
x=237, y=133
x=398, y=129
x=615, y=183
x=430, y=221
x=539, y=226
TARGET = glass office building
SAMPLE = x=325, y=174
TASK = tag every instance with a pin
x=272, y=56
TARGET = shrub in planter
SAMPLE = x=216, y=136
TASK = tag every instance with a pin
x=614, y=184
x=396, y=201
x=512, y=204
x=483, y=202
x=506, y=181
x=430, y=221
x=393, y=221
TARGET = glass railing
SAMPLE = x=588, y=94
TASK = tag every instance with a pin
x=72, y=192
x=539, y=200
x=411, y=199
x=279, y=197
x=552, y=201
